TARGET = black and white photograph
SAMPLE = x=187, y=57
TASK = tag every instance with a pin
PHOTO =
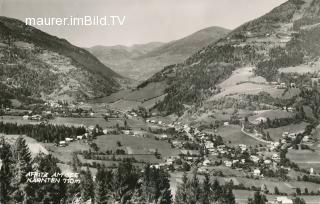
x=159, y=101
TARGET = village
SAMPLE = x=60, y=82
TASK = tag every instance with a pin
x=193, y=147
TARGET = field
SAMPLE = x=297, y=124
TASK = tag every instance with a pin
x=68, y=121
x=64, y=154
x=242, y=197
x=272, y=114
x=233, y=134
x=301, y=69
x=276, y=133
x=241, y=75
x=34, y=146
x=305, y=158
x=135, y=145
x=243, y=81
x=16, y=119
x=151, y=91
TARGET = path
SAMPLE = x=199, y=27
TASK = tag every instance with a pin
x=254, y=137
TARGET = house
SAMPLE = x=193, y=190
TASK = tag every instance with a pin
x=290, y=109
x=68, y=139
x=283, y=200
x=281, y=86
x=256, y=172
x=267, y=162
x=275, y=156
x=292, y=136
x=305, y=138
x=209, y=145
x=105, y=131
x=164, y=137
x=311, y=171
x=285, y=134
x=228, y=163
x=91, y=128
x=36, y=117
x=177, y=143
x=243, y=147
x=126, y=132
x=62, y=143
x=25, y=117
x=225, y=123
x=292, y=85
x=260, y=120
x=79, y=137
x=221, y=147
x=206, y=162
x=169, y=161
x=254, y=158
x=195, y=153
x=202, y=170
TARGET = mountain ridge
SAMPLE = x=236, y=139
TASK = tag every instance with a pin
x=49, y=67
x=140, y=66
x=267, y=43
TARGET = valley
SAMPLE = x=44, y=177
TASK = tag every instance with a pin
x=230, y=116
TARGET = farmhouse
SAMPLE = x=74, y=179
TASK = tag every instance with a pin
x=177, y=143
x=228, y=163
x=79, y=137
x=164, y=137
x=36, y=117
x=260, y=120
x=255, y=159
x=256, y=172
x=209, y=145
x=25, y=117
x=283, y=200
x=206, y=162
x=275, y=157
x=62, y=143
x=285, y=134
x=68, y=139
x=105, y=131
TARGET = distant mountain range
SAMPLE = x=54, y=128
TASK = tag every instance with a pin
x=141, y=61
x=36, y=64
x=289, y=35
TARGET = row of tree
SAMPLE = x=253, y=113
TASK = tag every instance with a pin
x=42, y=132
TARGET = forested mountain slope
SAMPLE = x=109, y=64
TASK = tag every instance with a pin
x=47, y=67
x=286, y=36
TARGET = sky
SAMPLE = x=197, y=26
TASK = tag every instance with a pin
x=145, y=20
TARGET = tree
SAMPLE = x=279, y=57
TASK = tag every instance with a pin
x=50, y=192
x=298, y=191
x=86, y=185
x=258, y=198
x=276, y=190
x=181, y=194
x=76, y=164
x=206, y=190
x=5, y=171
x=264, y=189
x=22, y=190
x=217, y=190
x=102, y=185
x=298, y=200
x=194, y=190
